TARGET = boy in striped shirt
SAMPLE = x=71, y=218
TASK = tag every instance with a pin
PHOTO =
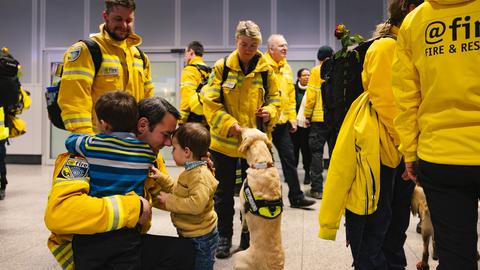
x=118, y=164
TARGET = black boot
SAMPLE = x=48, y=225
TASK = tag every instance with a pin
x=244, y=240
x=3, y=185
x=307, y=180
x=223, y=249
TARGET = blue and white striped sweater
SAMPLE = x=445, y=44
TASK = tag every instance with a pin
x=118, y=161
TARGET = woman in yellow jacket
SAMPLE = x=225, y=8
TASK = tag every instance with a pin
x=436, y=85
x=368, y=228
x=238, y=101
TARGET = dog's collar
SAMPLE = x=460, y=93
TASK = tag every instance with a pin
x=262, y=165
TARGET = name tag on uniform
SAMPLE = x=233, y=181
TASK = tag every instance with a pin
x=229, y=84
x=110, y=71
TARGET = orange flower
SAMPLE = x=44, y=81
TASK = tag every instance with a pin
x=340, y=31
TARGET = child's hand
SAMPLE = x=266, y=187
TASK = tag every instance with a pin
x=154, y=172
x=162, y=197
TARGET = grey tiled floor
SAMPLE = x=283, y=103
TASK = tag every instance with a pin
x=23, y=235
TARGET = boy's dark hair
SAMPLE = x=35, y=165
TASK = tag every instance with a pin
x=109, y=4
x=154, y=109
x=194, y=136
x=324, y=52
x=119, y=109
x=196, y=47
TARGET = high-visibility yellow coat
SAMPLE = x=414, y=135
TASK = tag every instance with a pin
x=436, y=83
x=70, y=210
x=314, y=103
x=353, y=179
x=286, y=88
x=191, y=78
x=3, y=129
x=243, y=96
x=122, y=69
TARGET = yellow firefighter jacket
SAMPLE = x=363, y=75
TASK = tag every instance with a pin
x=191, y=78
x=286, y=88
x=243, y=96
x=70, y=210
x=314, y=103
x=122, y=68
x=353, y=179
x=436, y=83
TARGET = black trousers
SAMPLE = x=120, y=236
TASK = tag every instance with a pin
x=320, y=133
x=300, y=144
x=110, y=250
x=395, y=237
x=127, y=249
x=366, y=233
x=283, y=143
x=3, y=166
x=225, y=172
x=452, y=196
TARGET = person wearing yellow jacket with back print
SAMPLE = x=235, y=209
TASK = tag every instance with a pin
x=70, y=210
x=193, y=74
x=436, y=86
x=320, y=133
x=240, y=101
x=122, y=68
x=287, y=122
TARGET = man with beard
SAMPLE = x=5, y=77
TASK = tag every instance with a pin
x=123, y=67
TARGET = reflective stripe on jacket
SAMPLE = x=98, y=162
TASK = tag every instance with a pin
x=243, y=96
x=121, y=69
x=3, y=129
x=314, y=103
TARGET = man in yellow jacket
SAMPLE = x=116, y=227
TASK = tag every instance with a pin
x=123, y=68
x=436, y=87
x=319, y=132
x=287, y=122
x=70, y=210
x=194, y=74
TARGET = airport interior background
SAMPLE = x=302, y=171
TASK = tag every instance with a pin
x=38, y=32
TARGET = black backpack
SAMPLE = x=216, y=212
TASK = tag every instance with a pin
x=343, y=84
x=193, y=117
x=260, y=123
x=10, y=95
x=54, y=111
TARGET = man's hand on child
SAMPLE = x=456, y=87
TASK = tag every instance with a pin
x=146, y=212
x=162, y=197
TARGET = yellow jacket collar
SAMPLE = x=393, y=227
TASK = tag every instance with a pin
x=233, y=62
x=196, y=60
x=394, y=30
x=274, y=64
x=132, y=40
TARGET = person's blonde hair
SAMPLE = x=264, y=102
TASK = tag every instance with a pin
x=273, y=38
x=249, y=29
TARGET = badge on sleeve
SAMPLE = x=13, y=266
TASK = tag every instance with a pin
x=74, y=168
x=74, y=53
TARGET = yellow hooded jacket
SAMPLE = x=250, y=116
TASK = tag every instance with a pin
x=314, y=103
x=286, y=87
x=3, y=129
x=353, y=179
x=191, y=78
x=70, y=210
x=121, y=69
x=243, y=96
x=436, y=83
x=377, y=81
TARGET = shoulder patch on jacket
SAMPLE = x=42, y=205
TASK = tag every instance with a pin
x=74, y=168
x=74, y=53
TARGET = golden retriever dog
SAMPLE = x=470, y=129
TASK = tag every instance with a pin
x=266, y=250
x=419, y=207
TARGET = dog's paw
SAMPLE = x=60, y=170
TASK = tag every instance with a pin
x=422, y=266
